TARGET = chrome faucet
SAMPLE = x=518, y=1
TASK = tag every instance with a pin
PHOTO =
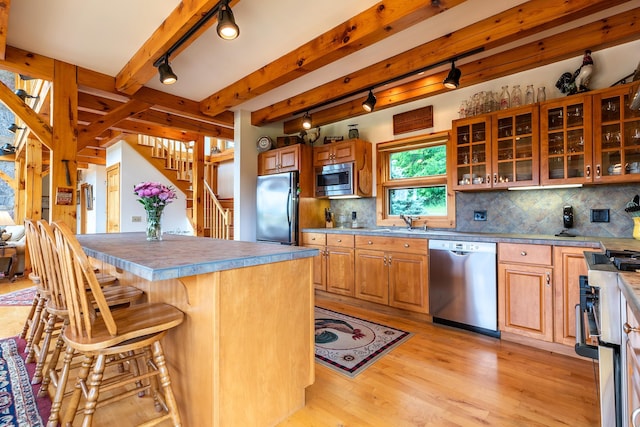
x=408, y=220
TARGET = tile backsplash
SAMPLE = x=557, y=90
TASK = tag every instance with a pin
x=527, y=212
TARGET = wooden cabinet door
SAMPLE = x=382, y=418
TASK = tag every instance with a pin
x=268, y=162
x=566, y=141
x=344, y=152
x=372, y=282
x=289, y=158
x=319, y=268
x=340, y=270
x=569, y=265
x=632, y=369
x=471, y=153
x=525, y=300
x=322, y=155
x=408, y=288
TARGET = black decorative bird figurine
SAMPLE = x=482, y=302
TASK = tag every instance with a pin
x=578, y=81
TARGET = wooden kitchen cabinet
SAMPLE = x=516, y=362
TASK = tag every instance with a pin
x=392, y=271
x=568, y=266
x=339, y=152
x=333, y=267
x=291, y=158
x=525, y=290
x=471, y=152
x=566, y=145
x=515, y=161
x=616, y=137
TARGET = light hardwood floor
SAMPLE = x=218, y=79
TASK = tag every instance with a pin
x=440, y=377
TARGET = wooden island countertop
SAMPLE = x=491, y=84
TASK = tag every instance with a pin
x=244, y=354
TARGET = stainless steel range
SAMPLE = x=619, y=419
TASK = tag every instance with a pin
x=599, y=326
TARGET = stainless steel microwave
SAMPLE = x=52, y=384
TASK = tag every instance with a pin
x=334, y=180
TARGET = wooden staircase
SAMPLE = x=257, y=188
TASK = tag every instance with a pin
x=174, y=159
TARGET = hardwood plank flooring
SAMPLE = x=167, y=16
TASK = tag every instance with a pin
x=440, y=377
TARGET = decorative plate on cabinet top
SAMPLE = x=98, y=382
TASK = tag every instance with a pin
x=264, y=144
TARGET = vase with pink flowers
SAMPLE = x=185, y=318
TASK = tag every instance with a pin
x=154, y=196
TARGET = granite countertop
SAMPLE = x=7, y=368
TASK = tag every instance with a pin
x=179, y=256
x=542, y=239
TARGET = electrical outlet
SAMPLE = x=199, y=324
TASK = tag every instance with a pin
x=479, y=215
x=136, y=218
x=599, y=215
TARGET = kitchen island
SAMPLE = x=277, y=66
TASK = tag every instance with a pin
x=244, y=354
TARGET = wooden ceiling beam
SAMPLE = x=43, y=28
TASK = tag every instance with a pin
x=505, y=27
x=130, y=126
x=97, y=104
x=27, y=63
x=382, y=20
x=139, y=69
x=4, y=26
x=123, y=111
x=32, y=120
x=598, y=35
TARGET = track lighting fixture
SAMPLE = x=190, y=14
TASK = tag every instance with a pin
x=22, y=94
x=227, y=28
x=167, y=76
x=453, y=78
x=25, y=77
x=370, y=102
x=14, y=127
x=306, y=121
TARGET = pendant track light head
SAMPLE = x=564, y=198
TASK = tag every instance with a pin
x=306, y=121
x=370, y=102
x=14, y=127
x=227, y=28
x=453, y=78
x=22, y=94
x=167, y=76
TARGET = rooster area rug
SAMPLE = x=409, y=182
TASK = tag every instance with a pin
x=349, y=345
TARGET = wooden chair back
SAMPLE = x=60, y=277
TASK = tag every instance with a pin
x=76, y=271
x=51, y=265
x=38, y=274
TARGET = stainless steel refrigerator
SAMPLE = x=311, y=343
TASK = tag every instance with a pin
x=277, y=208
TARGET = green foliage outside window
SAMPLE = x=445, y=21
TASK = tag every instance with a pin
x=429, y=161
x=418, y=163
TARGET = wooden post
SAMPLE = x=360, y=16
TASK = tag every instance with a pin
x=197, y=186
x=63, y=166
x=30, y=183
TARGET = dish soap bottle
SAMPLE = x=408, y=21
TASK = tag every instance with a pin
x=354, y=220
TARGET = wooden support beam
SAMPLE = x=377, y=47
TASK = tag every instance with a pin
x=139, y=69
x=131, y=126
x=87, y=133
x=33, y=121
x=385, y=18
x=64, y=151
x=596, y=36
x=4, y=26
x=32, y=199
x=11, y=182
x=27, y=63
x=197, y=182
x=505, y=27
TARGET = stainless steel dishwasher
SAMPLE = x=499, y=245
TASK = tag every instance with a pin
x=463, y=290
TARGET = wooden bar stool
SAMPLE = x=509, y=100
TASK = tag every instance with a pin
x=56, y=308
x=98, y=334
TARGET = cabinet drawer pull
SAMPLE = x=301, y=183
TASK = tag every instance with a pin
x=588, y=171
x=597, y=171
x=628, y=328
x=548, y=278
x=369, y=242
x=406, y=245
x=339, y=240
x=313, y=238
x=523, y=253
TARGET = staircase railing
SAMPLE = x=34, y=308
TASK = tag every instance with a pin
x=216, y=218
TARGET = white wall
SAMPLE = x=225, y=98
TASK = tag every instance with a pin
x=135, y=169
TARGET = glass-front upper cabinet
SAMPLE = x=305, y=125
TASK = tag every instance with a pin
x=565, y=140
x=616, y=136
x=515, y=147
x=471, y=145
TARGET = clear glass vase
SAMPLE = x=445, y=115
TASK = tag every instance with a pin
x=154, y=224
